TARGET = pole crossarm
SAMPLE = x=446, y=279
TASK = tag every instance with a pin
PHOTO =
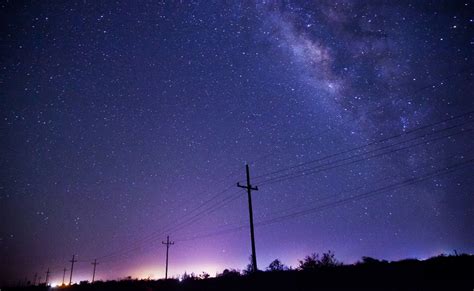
x=247, y=187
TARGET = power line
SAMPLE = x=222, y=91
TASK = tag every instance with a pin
x=379, y=107
x=321, y=168
x=205, y=212
x=366, y=145
x=200, y=206
x=339, y=165
x=371, y=151
x=364, y=185
x=155, y=234
x=286, y=177
x=391, y=187
x=381, y=190
x=186, y=222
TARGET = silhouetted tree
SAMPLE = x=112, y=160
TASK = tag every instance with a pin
x=204, y=275
x=229, y=273
x=249, y=267
x=276, y=265
x=310, y=262
x=313, y=261
x=188, y=277
x=329, y=260
x=371, y=261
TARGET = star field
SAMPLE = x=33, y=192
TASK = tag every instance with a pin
x=125, y=122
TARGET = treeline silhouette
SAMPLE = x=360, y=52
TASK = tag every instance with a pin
x=314, y=272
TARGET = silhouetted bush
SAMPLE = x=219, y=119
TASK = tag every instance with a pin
x=371, y=261
x=204, y=276
x=276, y=265
x=249, y=268
x=228, y=273
x=329, y=260
x=309, y=262
x=188, y=277
x=313, y=261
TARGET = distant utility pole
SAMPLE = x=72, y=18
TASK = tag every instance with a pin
x=72, y=268
x=47, y=277
x=64, y=275
x=252, y=235
x=34, y=280
x=167, y=243
x=93, y=273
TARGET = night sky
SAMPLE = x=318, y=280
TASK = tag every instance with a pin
x=124, y=122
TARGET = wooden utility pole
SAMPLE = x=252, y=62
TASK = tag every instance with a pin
x=93, y=273
x=167, y=243
x=47, y=277
x=34, y=280
x=252, y=235
x=72, y=268
x=64, y=275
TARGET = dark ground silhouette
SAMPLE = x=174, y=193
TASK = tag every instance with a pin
x=316, y=273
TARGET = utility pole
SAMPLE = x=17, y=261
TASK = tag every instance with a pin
x=167, y=243
x=93, y=273
x=47, y=277
x=64, y=275
x=252, y=235
x=34, y=280
x=72, y=268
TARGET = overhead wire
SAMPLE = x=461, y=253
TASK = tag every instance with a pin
x=330, y=165
x=214, y=207
x=381, y=190
x=256, y=178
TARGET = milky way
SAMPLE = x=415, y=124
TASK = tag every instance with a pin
x=126, y=122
